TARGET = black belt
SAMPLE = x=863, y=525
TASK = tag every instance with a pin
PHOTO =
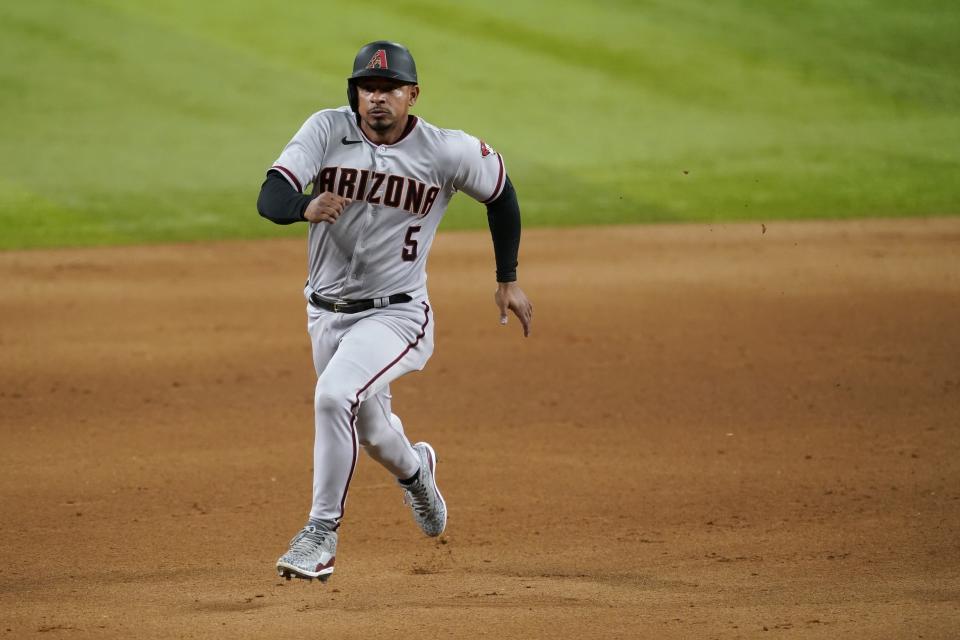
x=355, y=306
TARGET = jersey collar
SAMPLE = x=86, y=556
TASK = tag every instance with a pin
x=411, y=125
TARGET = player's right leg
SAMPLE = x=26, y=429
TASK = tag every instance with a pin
x=312, y=551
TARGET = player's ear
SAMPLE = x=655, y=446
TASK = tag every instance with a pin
x=414, y=94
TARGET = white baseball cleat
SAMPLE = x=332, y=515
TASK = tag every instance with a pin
x=311, y=555
x=423, y=496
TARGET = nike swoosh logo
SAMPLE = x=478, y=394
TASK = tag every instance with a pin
x=345, y=141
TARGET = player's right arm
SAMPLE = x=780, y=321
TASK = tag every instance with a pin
x=281, y=198
x=280, y=203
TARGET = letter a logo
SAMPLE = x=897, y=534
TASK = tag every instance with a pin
x=378, y=61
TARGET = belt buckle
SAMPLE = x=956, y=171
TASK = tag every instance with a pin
x=339, y=306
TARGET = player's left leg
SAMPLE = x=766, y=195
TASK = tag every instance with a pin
x=381, y=435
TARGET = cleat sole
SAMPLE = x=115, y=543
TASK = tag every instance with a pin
x=288, y=574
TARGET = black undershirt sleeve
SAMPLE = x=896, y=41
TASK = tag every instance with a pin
x=279, y=202
x=503, y=216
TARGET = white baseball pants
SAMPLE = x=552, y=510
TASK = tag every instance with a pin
x=356, y=356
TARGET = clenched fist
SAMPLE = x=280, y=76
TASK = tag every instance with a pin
x=326, y=207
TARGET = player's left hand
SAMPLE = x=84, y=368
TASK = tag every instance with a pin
x=510, y=296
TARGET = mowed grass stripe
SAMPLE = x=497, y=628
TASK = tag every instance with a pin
x=154, y=122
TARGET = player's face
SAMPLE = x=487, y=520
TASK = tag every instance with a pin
x=384, y=102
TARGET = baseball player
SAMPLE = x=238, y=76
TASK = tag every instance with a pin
x=381, y=180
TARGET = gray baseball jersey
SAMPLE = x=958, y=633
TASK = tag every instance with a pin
x=379, y=245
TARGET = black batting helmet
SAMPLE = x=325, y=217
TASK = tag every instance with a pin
x=381, y=59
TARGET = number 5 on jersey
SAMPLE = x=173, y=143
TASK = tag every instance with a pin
x=409, y=253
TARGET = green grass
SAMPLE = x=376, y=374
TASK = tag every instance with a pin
x=130, y=122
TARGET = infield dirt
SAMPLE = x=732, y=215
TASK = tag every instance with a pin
x=713, y=432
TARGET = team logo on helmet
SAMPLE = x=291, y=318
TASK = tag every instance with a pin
x=485, y=149
x=379, y=60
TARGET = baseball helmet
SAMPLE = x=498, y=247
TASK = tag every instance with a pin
x=381, y=59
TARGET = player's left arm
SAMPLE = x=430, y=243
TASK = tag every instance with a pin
x=503, y=217
x=481, y=174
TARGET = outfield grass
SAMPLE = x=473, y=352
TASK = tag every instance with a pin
x=127, y=122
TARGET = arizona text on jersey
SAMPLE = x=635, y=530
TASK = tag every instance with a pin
x=400, y=192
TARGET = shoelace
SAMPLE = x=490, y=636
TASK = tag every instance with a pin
x=307, y=539
x=418, y=496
